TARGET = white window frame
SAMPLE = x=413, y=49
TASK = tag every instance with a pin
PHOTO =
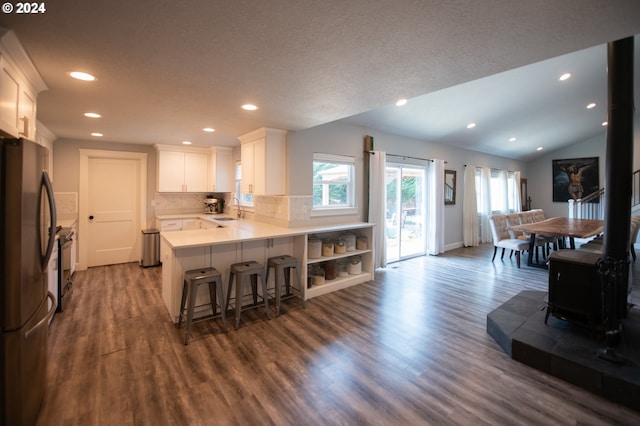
x=246, y=200
x=350, y=207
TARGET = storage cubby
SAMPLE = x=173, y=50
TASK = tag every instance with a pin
x=340, y=282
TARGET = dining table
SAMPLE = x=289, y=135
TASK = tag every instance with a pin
x=560, y=227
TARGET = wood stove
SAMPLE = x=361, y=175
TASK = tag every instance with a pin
x=575, y=289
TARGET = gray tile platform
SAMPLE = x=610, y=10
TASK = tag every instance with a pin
x=566, y=350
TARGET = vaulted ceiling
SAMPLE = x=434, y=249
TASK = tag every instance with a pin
x=165, y=70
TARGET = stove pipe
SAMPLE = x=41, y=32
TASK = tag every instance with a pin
x=614, y=265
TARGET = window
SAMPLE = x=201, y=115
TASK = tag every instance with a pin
x=333, y=182
x=245, y=199
x=501, y=191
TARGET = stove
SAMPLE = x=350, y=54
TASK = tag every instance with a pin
x=65, y=285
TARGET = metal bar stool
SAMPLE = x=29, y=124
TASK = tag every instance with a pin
x=283, y=266
x=192, y=280
x=241, y=271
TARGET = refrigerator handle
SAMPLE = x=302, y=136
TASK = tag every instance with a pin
x=46, y=182
x=45, y=320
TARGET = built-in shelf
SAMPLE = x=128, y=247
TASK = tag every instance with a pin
x=340, y=282
x=337, y=256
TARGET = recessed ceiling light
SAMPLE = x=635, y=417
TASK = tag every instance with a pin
x=186, y=143
x=591, y=105
x=92, y=115
x=512, y=139
x=96, y=134
x=79, y=75
x=401, y=102
x=604, y=123
x=249, y=107
x=565, y=76
x=539, y=148
x=209, y=129
x=471, y=125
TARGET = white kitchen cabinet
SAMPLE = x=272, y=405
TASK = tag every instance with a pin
x=20, y=83
x=182, y=170
x=170, y=225
x=263, y=159
x=190, y=224
x=178, y=224
x=221, y=177
x=262, y=250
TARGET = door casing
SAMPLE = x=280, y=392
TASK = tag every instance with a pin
x=83, y=221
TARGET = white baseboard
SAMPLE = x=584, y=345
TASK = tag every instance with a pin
x=453, y=246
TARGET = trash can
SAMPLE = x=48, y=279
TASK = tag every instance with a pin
x=150, y=248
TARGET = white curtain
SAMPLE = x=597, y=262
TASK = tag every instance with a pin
x=517, y=196
x=378, y=205
x=484, y=204
x=435, y=236
x=503, y=190
x=470, y=231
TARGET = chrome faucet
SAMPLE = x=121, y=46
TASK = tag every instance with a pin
x=239, y=212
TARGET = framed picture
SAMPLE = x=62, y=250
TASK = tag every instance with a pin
x=575, y=178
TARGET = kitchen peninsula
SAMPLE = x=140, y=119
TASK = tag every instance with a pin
x=230, y=241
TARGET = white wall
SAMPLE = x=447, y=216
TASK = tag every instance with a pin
x=345, y=139
x=540, y=175
x=66, y=159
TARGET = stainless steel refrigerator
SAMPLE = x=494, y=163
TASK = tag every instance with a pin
x=27, y=236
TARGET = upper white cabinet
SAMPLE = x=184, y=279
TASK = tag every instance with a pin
x=182, y=169
x=220, y=170
x=20, y=83
x=263, y=161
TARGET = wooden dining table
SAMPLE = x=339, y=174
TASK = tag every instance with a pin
x=561, y=227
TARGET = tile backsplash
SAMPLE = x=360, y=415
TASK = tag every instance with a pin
x=283, y=210
x=177, y=203
x=288, y=211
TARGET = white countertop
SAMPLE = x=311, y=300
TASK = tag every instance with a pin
x=235, y=231
x=183, y=216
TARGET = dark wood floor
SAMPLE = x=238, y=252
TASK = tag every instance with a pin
x=409, y=348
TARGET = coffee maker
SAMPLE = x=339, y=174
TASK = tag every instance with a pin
x=213, y=205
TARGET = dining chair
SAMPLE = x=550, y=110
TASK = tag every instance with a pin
x=503, y=239
x=515, y=219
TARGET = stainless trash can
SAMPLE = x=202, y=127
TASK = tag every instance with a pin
x=150, y=248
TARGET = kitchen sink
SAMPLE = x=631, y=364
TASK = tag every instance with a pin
x=223, y=218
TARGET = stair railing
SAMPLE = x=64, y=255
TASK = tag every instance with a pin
x=590, y=207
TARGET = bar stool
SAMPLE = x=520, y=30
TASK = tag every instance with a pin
x=192, y=280
x=241, y=271
x=282, y=266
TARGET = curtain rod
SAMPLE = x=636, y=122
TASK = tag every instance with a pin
x=404, y=156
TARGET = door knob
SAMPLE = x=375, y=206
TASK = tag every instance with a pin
x=91, y=217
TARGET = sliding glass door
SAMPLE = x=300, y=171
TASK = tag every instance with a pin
x=406, y=215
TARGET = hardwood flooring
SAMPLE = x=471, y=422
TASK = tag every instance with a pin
x=410, y=348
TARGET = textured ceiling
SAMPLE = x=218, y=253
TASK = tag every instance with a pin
x=167, y=69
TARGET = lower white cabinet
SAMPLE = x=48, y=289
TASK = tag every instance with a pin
x=190, y=224
x=178, y=224
x=183, y=257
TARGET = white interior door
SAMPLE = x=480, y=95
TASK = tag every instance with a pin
x=112, y=207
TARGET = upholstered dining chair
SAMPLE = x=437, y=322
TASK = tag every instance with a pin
x=516, y=219
x=537, y=215
x=503, y=239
